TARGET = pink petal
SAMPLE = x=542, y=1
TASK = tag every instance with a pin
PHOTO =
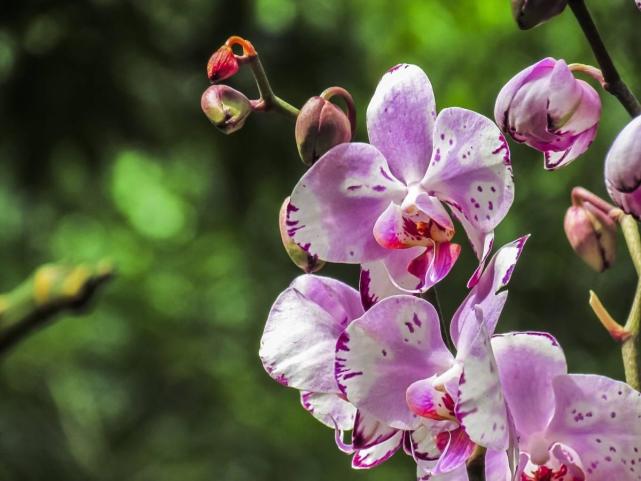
x=470, y=168
x=580, y=143
x=422, y=443
x=459, y=448
x=528, y=363
x=481, y=407
x=486, y=291
x=335, y=205
x=375, y=283
x=400, y=121
x=337, y=298
x=496, y=466
x=371, y=457
x=600, y=419
x=506, y=95
x=369, y=431
x=298, y=345
x=424, y=472
x=426, y=401
x=394, y=344
x=330, y=409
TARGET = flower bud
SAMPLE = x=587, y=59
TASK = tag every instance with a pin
x=545, y=107
x=530, y=13
x=225, y=107
x=623, y=169
x=320, y=126
x=222, y=64
x=298, y=255
x=592, y=235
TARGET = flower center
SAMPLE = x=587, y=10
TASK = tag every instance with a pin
x=559, y=463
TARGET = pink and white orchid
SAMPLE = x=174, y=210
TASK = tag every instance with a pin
x=381, y=204
x=545, y=107
x=297, y=350
x=392, y=364
x=571, y=427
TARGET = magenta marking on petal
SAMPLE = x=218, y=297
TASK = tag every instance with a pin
x=504, y=146
x=386, y=175
x=379, y=188
x=410, y=327
x=354, y=187
x=350, y=375
x=368, y=299
x=416, y=320
x=343, y=342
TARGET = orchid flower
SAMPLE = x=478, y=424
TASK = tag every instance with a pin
x=392, y=364
x=381, y=204
x=297, y=350
x=571, y=427
x=545, y=107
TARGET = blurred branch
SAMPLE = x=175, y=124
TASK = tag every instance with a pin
x=52, y=288
x=613, y=82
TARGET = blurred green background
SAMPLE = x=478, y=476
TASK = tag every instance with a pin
x=104, y=152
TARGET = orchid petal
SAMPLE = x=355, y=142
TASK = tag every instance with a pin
x=377, y=454
x=424, y=472
x=400, y=121
x=334, y=206
x=486, y=294
x=336, y=297
x=422, y=443
x=580, y=143
x=416, y=270
x=330, y=409
x=395, y=343
x=528, y=362
x=505, y=97
x=426, y=401
x=496, y=466
x=375, y=283
x=369, y=431
x=298, y=345
x=470, y=168
x=458, y=450
x=480, y=406
x=600, y=419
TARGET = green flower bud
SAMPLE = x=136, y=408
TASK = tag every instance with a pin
x=299, y=256
x=320, y=126
x=530, y=13
x=225, y=107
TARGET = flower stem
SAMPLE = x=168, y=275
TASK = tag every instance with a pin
x=268, y=100
x=613, y=82
x=432, y=296
x=631, y=347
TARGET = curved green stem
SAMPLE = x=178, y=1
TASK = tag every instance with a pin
x=268, y=100
x=631, y=347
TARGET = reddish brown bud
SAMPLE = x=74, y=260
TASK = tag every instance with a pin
x=299, y=256
x=225, y=107
x=320, y=126
x=222, y=64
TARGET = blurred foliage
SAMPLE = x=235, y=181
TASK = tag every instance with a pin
x=104, y=153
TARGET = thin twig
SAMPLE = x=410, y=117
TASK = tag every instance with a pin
x=613, y=82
